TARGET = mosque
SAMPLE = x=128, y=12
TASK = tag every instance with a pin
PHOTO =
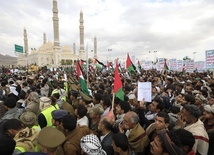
x=52, y=54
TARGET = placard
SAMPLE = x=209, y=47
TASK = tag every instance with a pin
x=144, y=91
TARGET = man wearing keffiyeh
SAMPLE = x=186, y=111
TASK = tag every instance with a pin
x=90, y=144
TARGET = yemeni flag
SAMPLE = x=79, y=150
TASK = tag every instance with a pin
x=118, y=84
x=129, y=65
x=81, y=79
x=165, y=67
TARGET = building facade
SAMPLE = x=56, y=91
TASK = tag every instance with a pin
x=52, y=54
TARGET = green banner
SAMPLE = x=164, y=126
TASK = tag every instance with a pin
x=19, y=48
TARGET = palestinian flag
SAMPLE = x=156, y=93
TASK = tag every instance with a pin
x=118, y=84
x=98, y=66
x=165, y=67
x=81, y=79
x=129, y=65
x=99, y=62
x=82, y=62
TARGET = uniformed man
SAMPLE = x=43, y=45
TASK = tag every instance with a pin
x=73, y=135
x=57, y=117
x=86, y=101
x=50, y=140
x=73, y=98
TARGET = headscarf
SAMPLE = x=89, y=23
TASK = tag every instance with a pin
x=45, y=102
x=91, y=145
x=209, y=108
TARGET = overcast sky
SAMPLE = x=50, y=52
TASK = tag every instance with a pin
x=173, y=28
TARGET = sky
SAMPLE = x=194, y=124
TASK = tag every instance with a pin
x=173, y=28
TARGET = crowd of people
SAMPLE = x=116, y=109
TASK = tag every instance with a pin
x=46, y=113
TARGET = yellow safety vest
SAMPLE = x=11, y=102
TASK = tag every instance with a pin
x=47, y=114
x=55, y=91
x=20, y=148
x=66, y=87
x=62, y=97
x=56, y=106
x=37, y=127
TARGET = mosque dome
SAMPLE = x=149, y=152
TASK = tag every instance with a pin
x=66, y=48
x=46, y=47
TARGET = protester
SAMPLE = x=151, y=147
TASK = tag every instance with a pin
x=81, y=112
x=208, y=119
x=137, y=136
x=164, y=143
x=26, y=138
x=120, y=144
x=73, y=133
x=90, y=144
x=94, y=118
x=191, y=114
x=171, y=92
x=187, y=140
x=105, y=126
x=12, y=111
x=29, y=119
x=45, y=117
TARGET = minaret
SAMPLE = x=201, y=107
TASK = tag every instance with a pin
x=44, y=38
x=95, y=47
x=56, y=49
x=74, y=48
x=25, y=42
x=56, y=25
x=81, y=50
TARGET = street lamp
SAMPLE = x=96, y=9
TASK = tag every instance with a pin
x=110, y=53
x=194, y=55
x=154, y=55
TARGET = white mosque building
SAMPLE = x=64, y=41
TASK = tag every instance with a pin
x=52, y=54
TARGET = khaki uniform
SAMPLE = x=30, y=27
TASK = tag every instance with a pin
x=75, y=103
x=66, y=106
x=50, y=137
x=72, y=143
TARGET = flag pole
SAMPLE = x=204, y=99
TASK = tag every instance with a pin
x=213, y=73
x=87, y=64
x=112, y=103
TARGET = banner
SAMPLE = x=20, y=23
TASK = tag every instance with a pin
x=199, y=66
x=160, y=64
x=147, y=65
x=210, y=59
x=180, y=65
x=189, y=66
x=173, y=64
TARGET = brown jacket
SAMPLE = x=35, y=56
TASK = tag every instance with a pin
x=138, y=139
x=72, y=142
